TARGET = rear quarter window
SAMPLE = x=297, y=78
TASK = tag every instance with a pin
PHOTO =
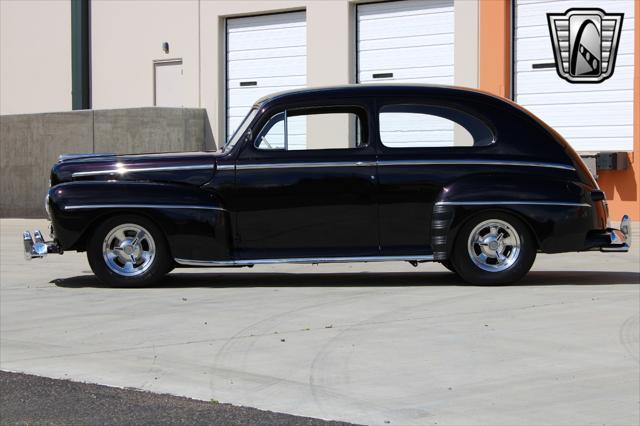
x=431, y=126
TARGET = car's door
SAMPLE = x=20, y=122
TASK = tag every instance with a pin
x=424, y=144
x=306, y=186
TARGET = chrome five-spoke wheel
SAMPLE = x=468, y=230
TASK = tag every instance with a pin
x=494, y=245
x=128, y=250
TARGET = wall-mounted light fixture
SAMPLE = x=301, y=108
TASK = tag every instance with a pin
x=165, y=47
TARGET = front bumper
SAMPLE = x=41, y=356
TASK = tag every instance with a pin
x=616, y=240
x=36, y=247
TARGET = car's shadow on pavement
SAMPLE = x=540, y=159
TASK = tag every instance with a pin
x=361, y=279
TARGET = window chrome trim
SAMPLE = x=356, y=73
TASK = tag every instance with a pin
x=249, y=262
x=516, y=203
x=124, y=170
x=474, y=163
x=141, y=206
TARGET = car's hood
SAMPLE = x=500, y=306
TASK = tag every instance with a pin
x=194, y=168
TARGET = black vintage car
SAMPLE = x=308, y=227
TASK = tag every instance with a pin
x=342, y=174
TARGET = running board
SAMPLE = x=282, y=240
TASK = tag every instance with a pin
x=309, y=260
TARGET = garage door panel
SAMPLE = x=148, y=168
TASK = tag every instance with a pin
x=622, y=131
x=410, y=74
x=624, y=60
x=268, y=54
x=548, y=81
x=430, y=56
x=585, y=96
x=565, y=114
x=396, y=43
x=372, y=30
x=528, y=12
x=401, y=8
x=276, y=83
x=271, y=66
x=265, y=22
x=244, y=55
x=287, y=37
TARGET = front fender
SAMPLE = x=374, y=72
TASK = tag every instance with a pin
x=194, y=222
x=558, y=209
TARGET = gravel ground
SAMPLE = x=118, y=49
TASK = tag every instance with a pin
x=27, y=399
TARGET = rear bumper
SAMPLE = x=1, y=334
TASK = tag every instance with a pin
x=612, y=240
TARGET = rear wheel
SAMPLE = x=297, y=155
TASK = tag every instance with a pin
x=493, y=248
x=128, y=251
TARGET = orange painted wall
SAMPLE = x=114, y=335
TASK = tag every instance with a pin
x=622, y=187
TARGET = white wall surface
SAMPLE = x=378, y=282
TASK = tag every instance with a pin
x=35, y=56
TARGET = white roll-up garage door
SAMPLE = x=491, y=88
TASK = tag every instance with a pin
x=265, y=54
x=409, y=41
x=592, y=117
x=406, y=41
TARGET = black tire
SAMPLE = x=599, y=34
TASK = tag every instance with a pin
x=449, y=265
x=149, y=271
x=490, y=272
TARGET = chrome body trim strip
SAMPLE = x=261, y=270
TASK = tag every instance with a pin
x=141, y=206
x=535, y=203
x=474, y=163
x=306, y=165
x=383, y=163
x=249, y=262
x=124, y=170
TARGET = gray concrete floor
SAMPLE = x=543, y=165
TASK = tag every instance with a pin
x=365, y=343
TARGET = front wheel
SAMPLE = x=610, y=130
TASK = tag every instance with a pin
x=128, y=251
x=493, y=248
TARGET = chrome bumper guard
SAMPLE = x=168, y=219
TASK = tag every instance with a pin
x=620, y=239
x=36, y=247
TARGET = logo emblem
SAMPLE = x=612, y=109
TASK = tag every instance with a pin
x=585, y=43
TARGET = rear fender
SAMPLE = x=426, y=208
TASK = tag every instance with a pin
x=558, y=211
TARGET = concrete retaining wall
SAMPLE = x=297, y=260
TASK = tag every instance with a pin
x=31, y=143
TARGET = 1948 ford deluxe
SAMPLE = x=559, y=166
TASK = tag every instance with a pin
x=341, y=174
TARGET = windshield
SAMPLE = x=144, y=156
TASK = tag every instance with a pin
x=240, y=130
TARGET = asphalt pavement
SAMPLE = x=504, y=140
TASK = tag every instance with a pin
x=361, y=343
x=27, y=399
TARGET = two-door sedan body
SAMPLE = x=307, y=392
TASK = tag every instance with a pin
x=354, y=173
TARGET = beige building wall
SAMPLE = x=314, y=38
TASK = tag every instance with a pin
x=35, y=56
x=127, y=37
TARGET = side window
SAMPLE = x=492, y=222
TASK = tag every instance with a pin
x=429, y=126
x=296, y=130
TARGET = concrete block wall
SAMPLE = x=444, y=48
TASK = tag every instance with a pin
x=31, y=143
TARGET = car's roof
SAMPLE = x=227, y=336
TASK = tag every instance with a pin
x=349, y=90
